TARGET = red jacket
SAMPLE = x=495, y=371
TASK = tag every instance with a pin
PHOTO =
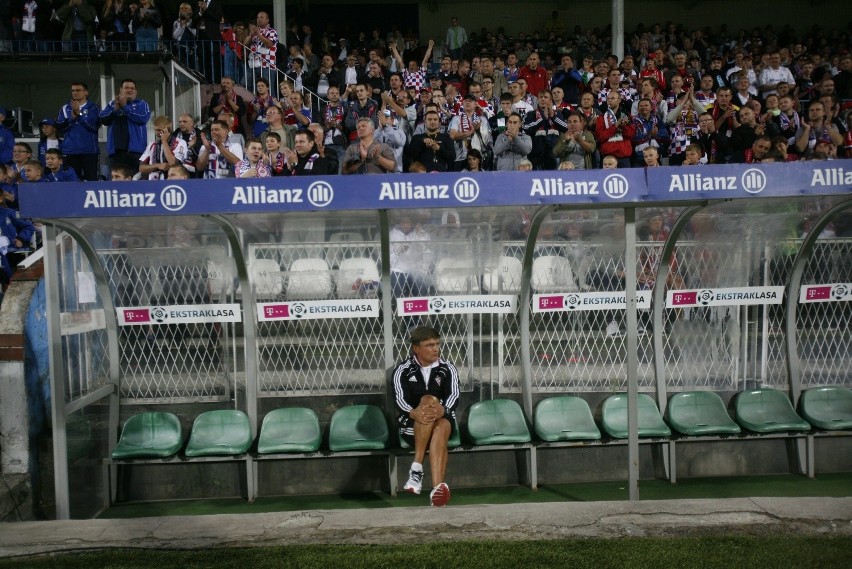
x=536, y=80
x=619, y=148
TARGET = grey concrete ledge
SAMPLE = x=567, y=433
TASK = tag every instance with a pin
x=558, y=520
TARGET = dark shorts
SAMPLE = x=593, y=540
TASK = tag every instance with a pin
x=408, y=423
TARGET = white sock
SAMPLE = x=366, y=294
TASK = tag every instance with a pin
x=416, y=467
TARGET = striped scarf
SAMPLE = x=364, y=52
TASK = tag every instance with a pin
x=786, y=121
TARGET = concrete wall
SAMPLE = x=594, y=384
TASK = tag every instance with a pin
x=21, y=393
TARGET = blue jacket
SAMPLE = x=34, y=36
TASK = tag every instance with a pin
x=68, y=174
x=81, y=133
x=7, y=143
x=42, y=149
x=13, y=228
x=137, y=114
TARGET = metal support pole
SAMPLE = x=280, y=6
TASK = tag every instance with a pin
x=618, y=28
x=526, y=294
x=57, y=377
x=764, y=321
x=632, y=358
x=279, y=22
x=658, y=301
x=387, y=304
x=249, y=306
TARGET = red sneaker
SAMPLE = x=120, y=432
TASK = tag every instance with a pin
x=440, y=495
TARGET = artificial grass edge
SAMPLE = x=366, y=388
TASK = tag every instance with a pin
x=690, y=552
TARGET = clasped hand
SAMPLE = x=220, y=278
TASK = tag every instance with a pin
x=429, y=410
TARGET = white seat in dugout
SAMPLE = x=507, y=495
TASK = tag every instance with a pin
x=453, y=274
x=265, y=276
x=221, y=272
x=552, y=273
x=220, y=279
x=309, y=279
x=505, y=277
x=350, y=271
x=342, y=245
x=345, y=236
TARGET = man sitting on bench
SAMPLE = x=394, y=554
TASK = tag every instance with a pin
x=426, y=390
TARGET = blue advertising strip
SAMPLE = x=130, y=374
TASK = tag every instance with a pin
x=393, y=191
x=744, y=180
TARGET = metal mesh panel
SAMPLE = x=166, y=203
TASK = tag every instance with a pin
x=701, y=345
x=173, y=361
x=586, y=351
x=331, y=356
x=778, y=264
x=465, y=253
x=717, y=347
x=84, y=340
x=825, y=328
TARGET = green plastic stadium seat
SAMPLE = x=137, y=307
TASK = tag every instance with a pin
x=828, y=408
x=697, y=413
x=565, y=419
x=219, y=433
x=498, y=421
x=767, y=411
x=358, y=427
x=149, y=435
x=292, y=429
x=614, y=417
x=455, y=439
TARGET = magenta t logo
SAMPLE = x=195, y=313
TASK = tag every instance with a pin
x=415, y=306
x=680, y=298
x=137, y=315
x=551, y=302
x=818, y=292
x=277, y=311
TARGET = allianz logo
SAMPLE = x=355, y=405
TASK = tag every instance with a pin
x=465, y=190
x=615, y=186
x=172, y=198
x=752, y=181
x=318, y=194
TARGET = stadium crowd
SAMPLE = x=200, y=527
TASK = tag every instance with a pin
x=383, y=101
x=387, y=102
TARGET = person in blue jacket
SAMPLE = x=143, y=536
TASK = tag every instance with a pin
x=54, y=170
x=14, y=233
x=7, y=140
x=127, y=118
x=48, y=139
x=78, y=120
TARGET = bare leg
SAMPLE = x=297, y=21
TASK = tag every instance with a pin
x=422, y=435
x=438, y=450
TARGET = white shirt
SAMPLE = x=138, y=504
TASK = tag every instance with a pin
x=408, y=257
x=771, y=76
x=351, y=75
x=217, y=166
x=155, y=154
x=427, y=371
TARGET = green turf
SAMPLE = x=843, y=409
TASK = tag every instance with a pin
x=747, y=552
x=788, y=485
